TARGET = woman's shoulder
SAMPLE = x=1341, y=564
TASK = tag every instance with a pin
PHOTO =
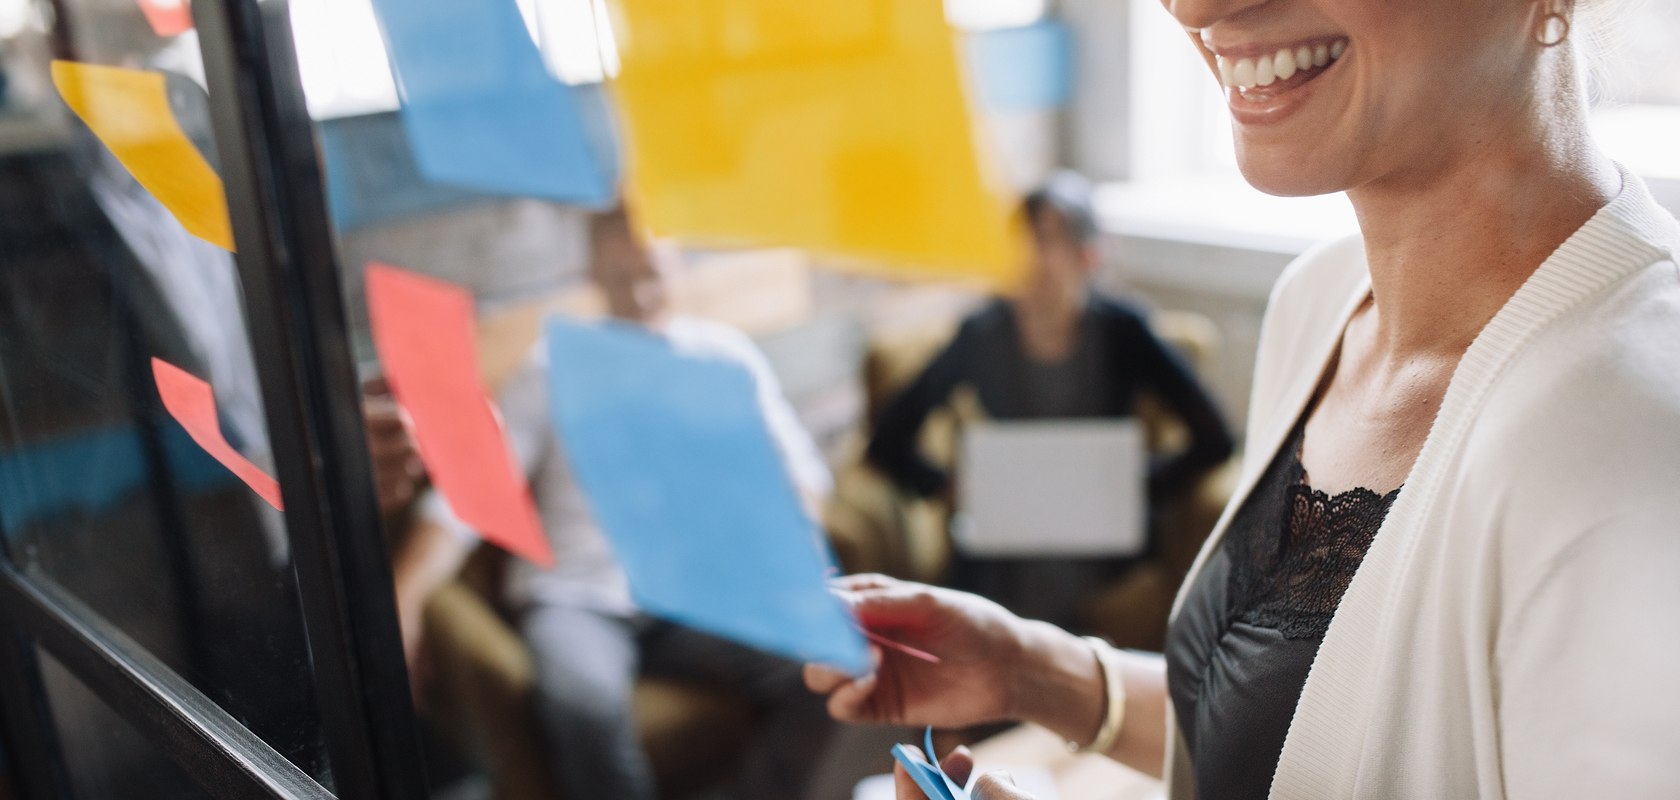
x=1583, y=427
x=1614, y=359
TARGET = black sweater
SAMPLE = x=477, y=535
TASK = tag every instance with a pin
x=1115, y=357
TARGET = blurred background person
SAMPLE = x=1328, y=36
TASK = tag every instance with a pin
x=587, y=638
x=1056, y=349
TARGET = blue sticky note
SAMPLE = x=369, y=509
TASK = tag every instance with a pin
x=674, y=455
x=1028, y=68
x=926, y=772
x=482, y=111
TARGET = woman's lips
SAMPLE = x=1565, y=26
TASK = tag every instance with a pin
x=1267, y=87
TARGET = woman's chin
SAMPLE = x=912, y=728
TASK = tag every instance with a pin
x=1286, y=175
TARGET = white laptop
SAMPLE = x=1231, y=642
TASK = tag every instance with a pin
x=1052, y=488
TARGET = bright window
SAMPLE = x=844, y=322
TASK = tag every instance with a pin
x=344, y=69
x=345, y=72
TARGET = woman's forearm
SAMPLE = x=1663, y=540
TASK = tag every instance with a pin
x=1061, y=687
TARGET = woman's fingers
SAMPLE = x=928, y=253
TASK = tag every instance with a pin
x=905, y=787
x=864, y=581
x=959, y=765
x=998, y=786
x=905, y=606
x=822, y=680
x=852, y=701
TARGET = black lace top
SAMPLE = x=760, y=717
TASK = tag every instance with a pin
x=1239, y=651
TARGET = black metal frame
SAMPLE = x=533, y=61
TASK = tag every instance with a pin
x=289, y=273
x=220, y=754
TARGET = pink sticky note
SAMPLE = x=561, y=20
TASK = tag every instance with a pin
x=899, y=646
x=426, y=334
x=193, y=404
x=168, y=17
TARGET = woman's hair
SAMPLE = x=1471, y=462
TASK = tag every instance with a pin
x=1068, y=194
x=1599, y=33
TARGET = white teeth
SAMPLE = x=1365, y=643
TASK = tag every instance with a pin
x=1248, y=73
x=1243, y=75
x=1284, y=64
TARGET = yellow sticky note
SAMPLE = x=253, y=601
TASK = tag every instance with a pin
x=839, y=126
x=129, y=111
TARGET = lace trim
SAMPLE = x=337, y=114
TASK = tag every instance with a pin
x=1290, y=577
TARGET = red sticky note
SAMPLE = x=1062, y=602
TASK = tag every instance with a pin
x=426, y=333
x=168, y=17
x=193, y=404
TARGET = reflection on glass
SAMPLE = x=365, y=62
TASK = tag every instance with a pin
x=101, y=491
x=106, y=756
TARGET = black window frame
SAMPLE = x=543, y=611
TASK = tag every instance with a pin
x=301, y=342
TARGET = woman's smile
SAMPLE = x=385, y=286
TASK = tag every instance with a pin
x=1265, y=83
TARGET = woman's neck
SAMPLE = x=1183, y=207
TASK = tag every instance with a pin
x=1448, y=250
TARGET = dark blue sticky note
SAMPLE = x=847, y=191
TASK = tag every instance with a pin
x=1023, y=69
x=481, y=110
x=673, y=453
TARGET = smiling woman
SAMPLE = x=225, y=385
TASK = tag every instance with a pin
x=1414, y=592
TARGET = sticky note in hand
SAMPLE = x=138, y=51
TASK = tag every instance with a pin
x=673, y=454
x=925, y=771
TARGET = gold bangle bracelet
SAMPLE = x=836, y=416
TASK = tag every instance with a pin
x=1114, y=703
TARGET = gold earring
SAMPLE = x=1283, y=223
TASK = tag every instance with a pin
x=1554, y=29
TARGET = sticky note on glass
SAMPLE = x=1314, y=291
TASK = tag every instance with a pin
x=673, y=453
x=840, y=126
x=926, y=772
x=426, y=333
x=481, y=109
x=1029, y=68
x=167, y=17
x=192, y=403
x=128, y=110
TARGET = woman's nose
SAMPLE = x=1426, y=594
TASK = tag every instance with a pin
x=1195, y=15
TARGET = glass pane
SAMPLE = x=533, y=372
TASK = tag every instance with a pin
x=102, y=490
x=106, y=757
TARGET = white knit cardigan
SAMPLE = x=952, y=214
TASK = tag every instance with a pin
x=1514, y=630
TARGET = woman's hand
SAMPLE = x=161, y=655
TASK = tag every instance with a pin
x=959, y=765
x=980, y=647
